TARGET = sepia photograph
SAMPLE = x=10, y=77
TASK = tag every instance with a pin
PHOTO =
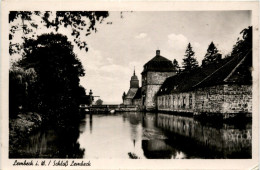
x=89, y=85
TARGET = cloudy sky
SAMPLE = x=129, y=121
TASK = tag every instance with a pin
x=131, y=41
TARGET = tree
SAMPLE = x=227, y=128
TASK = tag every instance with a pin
x=99, y=102
x=244, y=44
x=76, y=22
x=212, y=55
x=21, y=90
x=176, y=65
x=123, y=97
x=189, y=61
x=58, y=70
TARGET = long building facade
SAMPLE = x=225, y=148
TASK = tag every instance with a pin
x=223, y=88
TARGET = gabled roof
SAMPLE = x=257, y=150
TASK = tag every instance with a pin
x=131, y=93
x=229, y=70
x=138, y=94
x=237, y=70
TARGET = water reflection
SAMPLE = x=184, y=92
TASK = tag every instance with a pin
x=147, y=135
x=140, y=136
x=50, y=142
x=226, y=141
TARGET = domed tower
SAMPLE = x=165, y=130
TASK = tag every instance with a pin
x=134, y=82
x=154, y=74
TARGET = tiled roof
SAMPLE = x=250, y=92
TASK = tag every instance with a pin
x=229, y=70
x=158, y=63
x=131, y=93
x=138, y=94
x=237, y=70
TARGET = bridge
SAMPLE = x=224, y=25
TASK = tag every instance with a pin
x=108, y=108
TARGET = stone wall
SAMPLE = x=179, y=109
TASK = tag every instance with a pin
x=224, y=99
x=158, y=77
x=137, y=102
x=209, y=99
x=128, y=102
x=150, y=98
x=216, y=99
x=129, y=108
x=153, y=82
x=237, y=98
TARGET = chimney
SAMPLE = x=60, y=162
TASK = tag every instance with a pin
x=157, y=52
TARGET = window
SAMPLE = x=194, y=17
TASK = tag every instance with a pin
x=184, y=102
x=163, y=101
x=190, y=101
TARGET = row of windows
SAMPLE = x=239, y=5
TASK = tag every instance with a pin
x=172, y=101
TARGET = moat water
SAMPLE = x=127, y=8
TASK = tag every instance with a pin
x=135, y=135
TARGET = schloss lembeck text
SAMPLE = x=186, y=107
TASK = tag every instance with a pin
x=63, y=163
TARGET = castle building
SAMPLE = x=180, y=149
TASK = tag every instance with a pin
x=154, y=74
x=224, y=87
x=134, y=85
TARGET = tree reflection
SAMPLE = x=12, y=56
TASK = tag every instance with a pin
x=49, y=143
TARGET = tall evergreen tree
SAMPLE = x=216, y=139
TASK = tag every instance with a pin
x=212, y=55
x=189, y=61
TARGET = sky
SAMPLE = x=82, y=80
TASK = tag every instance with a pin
x=129, y=42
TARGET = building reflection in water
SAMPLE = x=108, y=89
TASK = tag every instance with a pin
x=139, y=135
x=192, y=139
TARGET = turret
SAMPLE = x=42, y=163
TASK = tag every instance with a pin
x=134, y=82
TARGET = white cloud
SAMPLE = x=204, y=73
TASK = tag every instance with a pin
x=141, y=36
x=177, y=41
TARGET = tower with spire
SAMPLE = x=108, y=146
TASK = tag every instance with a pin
x=134, y=82
x=134, y=86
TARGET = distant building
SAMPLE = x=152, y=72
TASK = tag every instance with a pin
x=134, y=85
x=87, y=99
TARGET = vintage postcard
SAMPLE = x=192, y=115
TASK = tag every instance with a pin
x=129, y=85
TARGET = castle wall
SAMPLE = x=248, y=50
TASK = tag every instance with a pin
x=238, y=98
x=137, y=102
x=150, y=100
x=158, y=77
x=216, y=99
x=152, y=82
x=209, y=99
x=128, y=102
